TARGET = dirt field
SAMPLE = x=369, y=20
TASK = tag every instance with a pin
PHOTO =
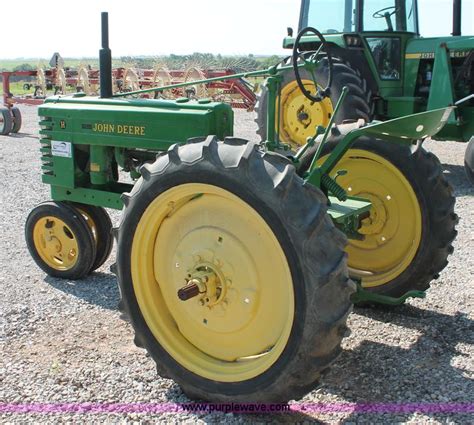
x=63, y=342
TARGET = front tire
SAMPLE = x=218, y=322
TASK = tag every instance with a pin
x=409, y=235
x=100, y=225
x=274, y=315
x=60, y=241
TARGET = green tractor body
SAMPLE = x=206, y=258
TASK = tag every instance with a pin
x=85, y=140
x=404, y=72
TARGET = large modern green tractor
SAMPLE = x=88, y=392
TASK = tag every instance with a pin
x=231, y=260
x=391, y=72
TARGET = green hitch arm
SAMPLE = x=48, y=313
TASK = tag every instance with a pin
x=317, y=175
x=363, y=296
x=273, y=85
x=309, y=143
x=345, y=90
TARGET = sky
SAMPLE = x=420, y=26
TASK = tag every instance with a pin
x=160, y=27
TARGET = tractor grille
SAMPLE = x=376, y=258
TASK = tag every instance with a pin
x=46, y=126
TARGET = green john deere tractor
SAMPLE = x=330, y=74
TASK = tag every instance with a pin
x=390, y=72
x=230, y=257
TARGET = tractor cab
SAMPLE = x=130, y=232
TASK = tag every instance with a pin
x=370, y=32
x=387, y=26
x=377, y=46
x=351, y=16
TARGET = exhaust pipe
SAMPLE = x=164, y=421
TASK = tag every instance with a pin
x=457, y=17
x=105, y=60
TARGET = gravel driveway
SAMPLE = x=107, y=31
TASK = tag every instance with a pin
x=64, y=342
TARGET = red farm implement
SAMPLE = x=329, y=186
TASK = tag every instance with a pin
x=239, y=93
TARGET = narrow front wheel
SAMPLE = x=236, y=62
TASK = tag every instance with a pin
x=100, y=225
x=60, y=241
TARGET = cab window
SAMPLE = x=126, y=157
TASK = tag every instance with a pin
x=386, y=52
x=389, y=15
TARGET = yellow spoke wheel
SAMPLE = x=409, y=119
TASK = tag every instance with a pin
x=393, y=231
x=223, y=333
x=232, y=274
x=299, y=116
x=60, y=240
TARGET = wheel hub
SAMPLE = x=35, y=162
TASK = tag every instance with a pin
x=55, y=243
x=219, y=305
x=303, y=116
x=375, y=225
x=205, y=284
x=299, y=116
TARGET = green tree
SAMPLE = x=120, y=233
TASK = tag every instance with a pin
x=24, y=67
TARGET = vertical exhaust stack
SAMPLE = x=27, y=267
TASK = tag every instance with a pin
x=105, y=60
x=457, y=17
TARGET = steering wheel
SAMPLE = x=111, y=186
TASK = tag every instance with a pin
x=387, y=15
x=380, y=15
x=312, y=61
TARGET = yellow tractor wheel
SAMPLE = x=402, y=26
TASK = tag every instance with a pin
x=232, y=274
x=408, y=236
x=60, y=241
x=100, y=225
x=299, y=117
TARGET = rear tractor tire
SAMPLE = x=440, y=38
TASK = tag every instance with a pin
x=262, y=271
x=409, y=234
x=299, y=116
x=60, y=241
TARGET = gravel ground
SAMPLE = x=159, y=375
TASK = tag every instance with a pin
x=63, y=342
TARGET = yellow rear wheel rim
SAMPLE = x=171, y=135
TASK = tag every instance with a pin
x=239, y=327
x=393, y=231
x=55, y=243
x=300, y=116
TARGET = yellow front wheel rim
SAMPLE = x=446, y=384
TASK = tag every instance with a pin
x=55, y=243
x=240, y=323
x=393, y=231
x=300, y=116
x=90, y=223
